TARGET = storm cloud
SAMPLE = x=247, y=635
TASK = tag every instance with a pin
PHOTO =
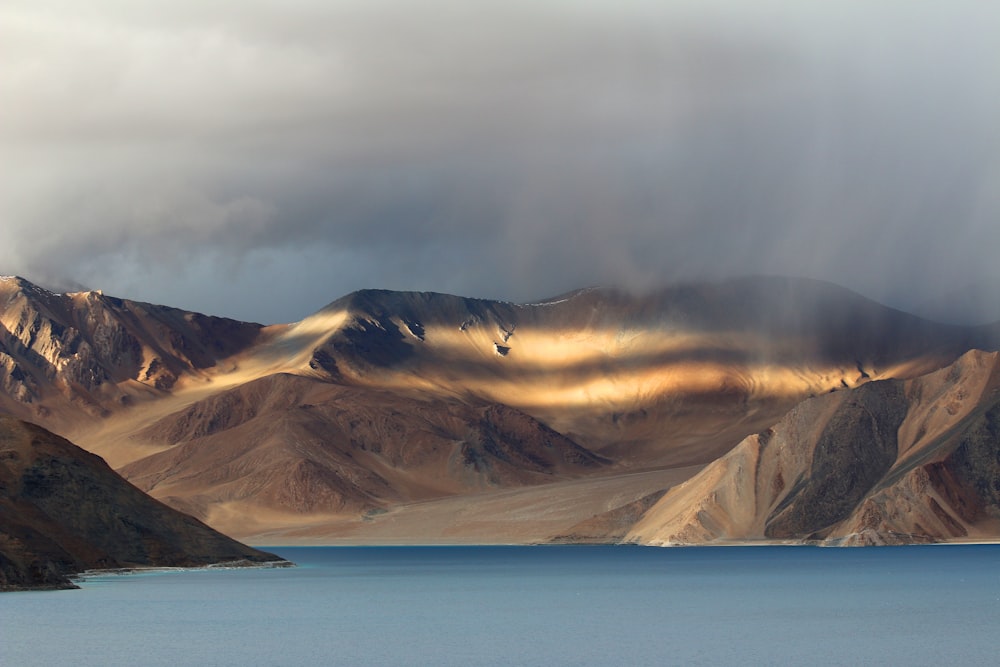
x=259, y=159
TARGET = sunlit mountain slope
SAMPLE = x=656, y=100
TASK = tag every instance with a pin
x=893, y=461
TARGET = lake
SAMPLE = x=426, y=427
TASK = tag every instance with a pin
x=552, y=605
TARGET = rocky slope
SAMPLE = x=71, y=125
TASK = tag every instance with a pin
x=297, y=445
x=386, y=399
x=617, y=371
x=64, y=357
x=63, y=511
x=893, y=461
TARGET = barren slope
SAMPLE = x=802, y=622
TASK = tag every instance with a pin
x=299, y=446
x=889, y=462
x=522, y=515
x=383, y=399
x=63, y=510
x=645, y=379
x=66, y=358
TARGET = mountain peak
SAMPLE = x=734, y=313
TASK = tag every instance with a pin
x=88, y=352
x=25, y=286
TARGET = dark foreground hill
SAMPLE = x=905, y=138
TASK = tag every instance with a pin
x=63, y=511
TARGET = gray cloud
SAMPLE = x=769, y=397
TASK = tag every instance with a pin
x=262, y=158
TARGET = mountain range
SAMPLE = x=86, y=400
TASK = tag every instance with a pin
x=745, y=410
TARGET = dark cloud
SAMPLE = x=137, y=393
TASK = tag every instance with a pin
x=262, y=158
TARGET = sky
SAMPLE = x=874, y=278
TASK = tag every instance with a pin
x=259, y=159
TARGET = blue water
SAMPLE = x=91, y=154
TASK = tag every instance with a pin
x=565, y=605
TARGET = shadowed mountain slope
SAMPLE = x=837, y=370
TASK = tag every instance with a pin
x=63, y=511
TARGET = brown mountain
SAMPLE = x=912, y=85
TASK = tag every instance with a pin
x=299, y=446
x=63, y=511
x=64, y=357
x=892, y=461
x=385, y=408
x=618, y=373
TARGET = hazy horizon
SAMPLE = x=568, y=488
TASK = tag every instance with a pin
x=258, y=161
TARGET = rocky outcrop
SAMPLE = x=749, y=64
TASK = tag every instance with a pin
x=63, y=511
x=853, y=451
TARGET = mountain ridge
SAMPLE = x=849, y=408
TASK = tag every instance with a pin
x=91, y=353
x=667, y=381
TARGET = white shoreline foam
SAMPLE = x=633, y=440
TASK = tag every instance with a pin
x=225, y=565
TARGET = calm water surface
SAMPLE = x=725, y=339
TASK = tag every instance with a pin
x=564, y=605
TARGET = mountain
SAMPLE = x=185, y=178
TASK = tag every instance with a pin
x=65, y=357
x=299, y=446
x=386, y=408
x=889, y=462
x=616, y=372
x=63, y=511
